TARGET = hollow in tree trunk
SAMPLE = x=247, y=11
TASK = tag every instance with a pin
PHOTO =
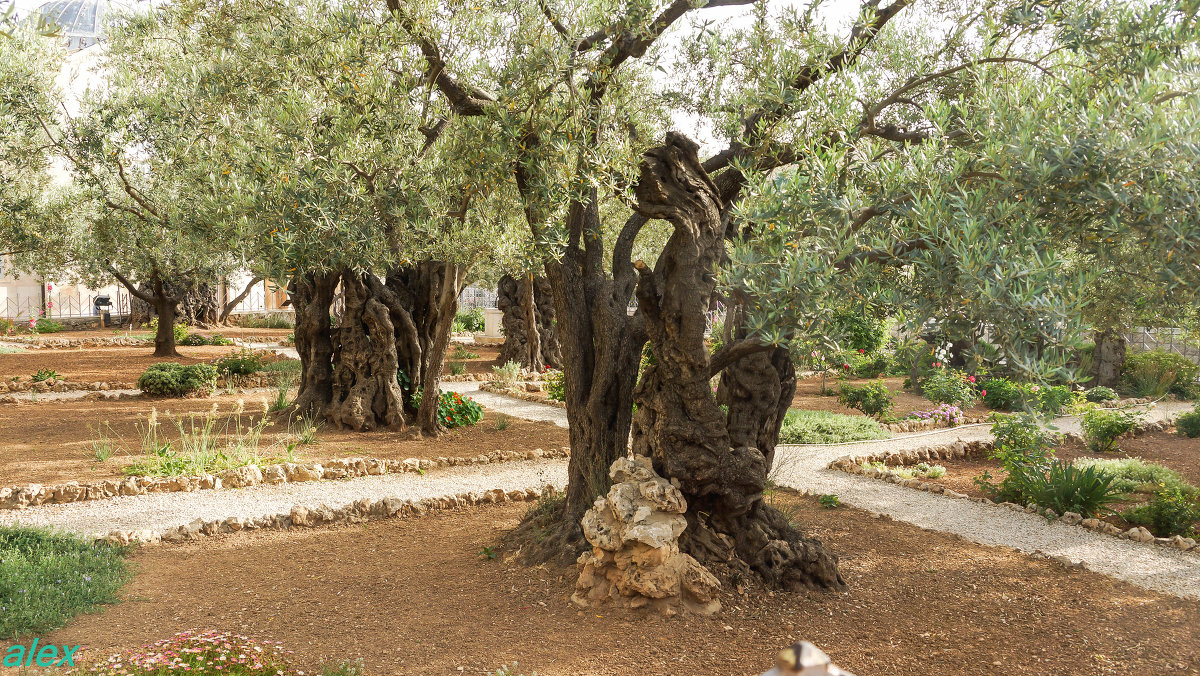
x=365, y=393
x=530, y=330
x=312, y=296
x=720, y=460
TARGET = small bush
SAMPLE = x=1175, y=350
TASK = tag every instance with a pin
x=46, y=578
x=945, y=414
x=821, y=427
x=1133, y=475
x=219, y=340
x=46, y=325
x=505, y=377
x=176, y=380
x=874, y=398
x=556, y=386
x=1002, y=394
x=457, y=368
x=194, y=340
x=1023, y=449
x=1100, y=394
x=269, y=321
x=470, y=321
x=830, y=501
x=1052, y=398
x=949, y=386
x=1066, y=488
x=455, y=410
x=1188, y=424
x=240, y=363
x=461, y=353
x=43, y=375
x=1172, y=511
x=1157, y=372
x=1101, y=428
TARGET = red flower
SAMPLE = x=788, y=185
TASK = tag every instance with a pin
x=846, y=366
x=971, y=378
x=861, y=351
x=983, y=393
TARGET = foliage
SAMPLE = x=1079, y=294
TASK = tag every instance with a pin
x=44, y=374
x=1133, y=475
x=1172, y=511
x=1064, y=487
x=505, y=377
x=241, y=363
x=457, y=368
x=470, y=321
x=830, y=501
x=1052, y=398
x=271, y=320
x=219, y=340
x=1157, y=372
x=204, y=443
x=858, y=331
x=283, y=386
x=502, y=421
x=46, y=578
x=821, y=427
x=873, y=398
x=178, y=329
x=1188, y=424
x=556, y=387
x=1100, y=394
x=46, y=325
x=1023, y=448
x=945, y=414
x=455, y=410
x=176, y=380
x=1004, y=395
x=949, y=386
x=204, y=653
x=923, y=470
x=194, y=340
x=462, y=353
x=1102, y=427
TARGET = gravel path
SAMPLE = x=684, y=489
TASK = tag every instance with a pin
x=160, y=511
x=1157, y=568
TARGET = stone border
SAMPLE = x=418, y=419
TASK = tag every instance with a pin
x=56, y=385
x=917, y=425
x=32, y=495
x=42, y=343
x=853, y=464
x=522, y=395
x=359, y=511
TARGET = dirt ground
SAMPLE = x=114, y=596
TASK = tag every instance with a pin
x=808, y=397
x=418, y=597
x=51, y=442
x=481, y=364
x=101, y=364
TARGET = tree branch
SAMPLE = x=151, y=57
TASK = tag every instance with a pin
x=466, y=100
x=149, y=298
x=225, y=312
x=734, y=352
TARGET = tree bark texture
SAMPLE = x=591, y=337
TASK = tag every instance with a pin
x=528, y=302
x=1108, y=358
x=720, y=460
x=365, y=393
x=197, y=304
x=312, y=295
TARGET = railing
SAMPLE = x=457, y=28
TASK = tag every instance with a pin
x=475, y=297
x=1174, y=340
x=62, y=305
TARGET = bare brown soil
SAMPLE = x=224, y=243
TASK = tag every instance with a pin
x=417, y=597
x=481, y=364
x=808, y=397
x=100, y=364
x=51, y=442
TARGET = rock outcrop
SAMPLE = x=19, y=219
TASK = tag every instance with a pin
x=635, y=559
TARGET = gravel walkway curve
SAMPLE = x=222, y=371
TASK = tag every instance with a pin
x=1157, y=568
x=160, y=511
x=517, y=408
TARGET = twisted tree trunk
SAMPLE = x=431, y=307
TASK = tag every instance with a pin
x=1108, y=359
x=530, y=328
x=719, y=460
x=312, y=296
x=365, y=393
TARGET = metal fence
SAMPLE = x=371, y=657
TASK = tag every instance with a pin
x=475, y=297
x=1169, y=339
x=62, y=305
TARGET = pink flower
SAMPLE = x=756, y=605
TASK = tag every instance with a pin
x=971, y=379
x=1035, y=388
x=983, y=393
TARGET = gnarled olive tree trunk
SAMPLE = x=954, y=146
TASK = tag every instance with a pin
x=365, y=393
x=720, y=460
x=530, y=329
x=312, y=296
x=1108, y=360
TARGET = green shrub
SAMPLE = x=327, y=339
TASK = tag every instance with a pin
x=821, y=427
x=556, y=386
x=1023, y=448
x=194, y=340
x=457, y=368
x=857, y=331
x=874, y=398
x=1052, y=398
x=46, y=578
x=43, y=375
x=1066, y=488
x=219, y=340
x=455, y=410
x=461, y=353
x=1100, y=394
x=1188, y=424
x=176, y=380
x=949, y=386
x=505, y=377
x=1133, y=475
x=273, y=320
x=240, y=363
x=1021, y=433
x=46, y=325
x=1002, y=394
x=1157, y=372
x=873, y=366
x=1102, y=427
x=470, y=321
x=1172, y=511
x=7, y=326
